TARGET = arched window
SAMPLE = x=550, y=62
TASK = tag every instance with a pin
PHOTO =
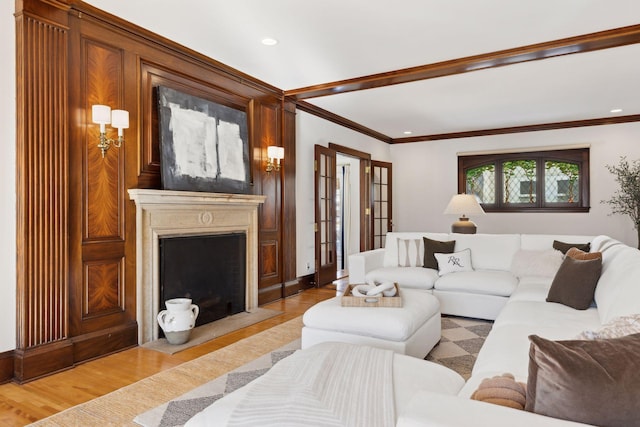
x=543, y=181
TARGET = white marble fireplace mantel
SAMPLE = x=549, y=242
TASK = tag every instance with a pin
x=163, y=213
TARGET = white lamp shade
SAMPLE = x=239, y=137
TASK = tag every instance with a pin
x=101, y=114
x=274, y=152
x=120, y=119
x=464, y=204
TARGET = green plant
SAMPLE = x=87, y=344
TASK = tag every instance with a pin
x=571, y=170
x=510, y=170
x=626, y=200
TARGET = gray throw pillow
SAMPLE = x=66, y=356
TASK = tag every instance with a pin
x=596, y=382
x=575, y=282
x=435, y=247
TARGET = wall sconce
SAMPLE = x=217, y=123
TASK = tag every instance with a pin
x=119, y=119
x=275, y=155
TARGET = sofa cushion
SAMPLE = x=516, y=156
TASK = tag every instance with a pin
x=532, y=288
x=575, y=283
x=454, y=262
x=435, y=246
x=406, y=277
x=618, y=293
x=564, y=247
x=489, y=251
x=539, y=242
x=536, y=263
x=594, y=382
x=428, y=409
x=500, y=283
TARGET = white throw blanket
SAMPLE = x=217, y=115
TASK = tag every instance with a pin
x=330, y=384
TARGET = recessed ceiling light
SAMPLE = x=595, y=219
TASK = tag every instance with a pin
x=407, y=132
x=268, y=41
x=617, y=110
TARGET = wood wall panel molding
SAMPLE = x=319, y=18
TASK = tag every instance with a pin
x=103, y=186
x=103, y=288
x=269, y=135
x=288, y=217
x=76, y=230
x=269, y=259
x=42, y=186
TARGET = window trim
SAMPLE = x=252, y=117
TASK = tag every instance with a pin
x=576, y=155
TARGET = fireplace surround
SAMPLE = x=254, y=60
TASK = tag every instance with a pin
x=163, y=213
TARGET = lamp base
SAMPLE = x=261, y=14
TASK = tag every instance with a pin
x=463, y=226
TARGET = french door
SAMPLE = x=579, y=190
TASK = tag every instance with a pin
x=382, y=220
x=325, y=221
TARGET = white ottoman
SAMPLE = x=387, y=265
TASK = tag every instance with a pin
x=413, y=329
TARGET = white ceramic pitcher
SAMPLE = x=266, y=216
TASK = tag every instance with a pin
x=180, y=316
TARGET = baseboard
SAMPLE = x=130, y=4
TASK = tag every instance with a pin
x=308, y=281
x=97, y=344
x=6, y=366
x=291, y=288
x=37, y=362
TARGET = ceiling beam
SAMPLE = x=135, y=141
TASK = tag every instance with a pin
x=328, y=115
x=518, y=129
x=579, y=44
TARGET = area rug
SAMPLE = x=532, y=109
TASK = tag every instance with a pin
x=173, y=396
x=459, y=345
x=212, y=330
x=120, y=407
x=178, y=411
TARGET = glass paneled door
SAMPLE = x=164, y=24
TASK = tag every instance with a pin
x=381, y=199
x=325, y=216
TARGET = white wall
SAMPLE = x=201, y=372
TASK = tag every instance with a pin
x=352, y=239
x=7, y=178
x=311, y=130
x=425, y=178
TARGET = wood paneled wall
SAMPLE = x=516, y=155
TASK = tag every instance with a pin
x=76, y=226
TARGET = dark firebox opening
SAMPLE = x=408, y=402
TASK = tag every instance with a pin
x=211, y=270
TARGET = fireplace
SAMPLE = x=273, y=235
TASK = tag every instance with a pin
x=209, y=269
x=168, y=214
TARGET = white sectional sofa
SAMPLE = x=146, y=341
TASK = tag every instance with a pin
x=426, y=394
x=481, y=293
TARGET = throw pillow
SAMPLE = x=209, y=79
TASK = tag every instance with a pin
x=435, y=246
x=454, y=262
x=618, y=327
x=564, y=247
x=593, y=382
x=536, y=263
x=575, y=283
x=409, y=253
x=502, y=390
x=576, y=253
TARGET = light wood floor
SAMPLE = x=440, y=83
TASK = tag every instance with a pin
x=23, y=404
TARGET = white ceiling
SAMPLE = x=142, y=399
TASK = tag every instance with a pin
x=325, y=41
